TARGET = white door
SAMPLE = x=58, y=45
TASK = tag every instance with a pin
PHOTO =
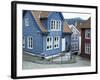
x=63, y=44
x=79, y=45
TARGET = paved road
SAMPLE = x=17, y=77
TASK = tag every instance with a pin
x=28, y=63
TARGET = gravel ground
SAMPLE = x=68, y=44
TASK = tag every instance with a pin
x=30, y=62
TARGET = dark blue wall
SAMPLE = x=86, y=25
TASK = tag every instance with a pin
x=34, y=31
x=39, y=40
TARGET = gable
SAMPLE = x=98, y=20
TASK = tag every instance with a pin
x=33, y=27
x=74, y=29
x=42, y=19
x=66, y=28
x=56, y=16
x=36, y=15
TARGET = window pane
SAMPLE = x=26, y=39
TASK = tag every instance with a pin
x=51, y=24
x=48, y=39
x=23, y=42
x=57, y=25
x=55, y=38
x=26, y=21
x=50, y=46
x=47, y=47
x=49, y=43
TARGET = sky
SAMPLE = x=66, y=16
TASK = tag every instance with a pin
x=74, y=15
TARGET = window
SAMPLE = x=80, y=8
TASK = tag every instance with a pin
x=73, y=36
x=49, y=43
x=87, y=34
x=55, y=25
x=77, y=36
x=30, y=42
x=52, y=22
x=56, y=42
x=87, y=48
x=27, y=21
x=59, y=25
x=74, y=46
x=23, y=42
x=73, y=30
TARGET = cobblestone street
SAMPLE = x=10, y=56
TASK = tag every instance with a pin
x=30, y=63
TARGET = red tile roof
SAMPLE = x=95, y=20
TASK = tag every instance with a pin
x=66, y=28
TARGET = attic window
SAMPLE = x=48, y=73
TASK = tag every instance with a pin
x=27, y=21
x=55, y=25
x=52, y=24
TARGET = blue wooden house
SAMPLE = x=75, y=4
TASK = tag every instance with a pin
x=75, y=39
x=45, y=33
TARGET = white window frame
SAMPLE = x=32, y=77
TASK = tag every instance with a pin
x=51, y=24
x=56, y=42
x=86, y=32
x=72, y=46
x=29, y=42
x=55, y=21
x=50, y=43
x=87, y=48
x=54, y=24
x=76, y=46
x=76, y=36
x=73, y=36
x=26, y=21
x=23, y=42
x=59, y=23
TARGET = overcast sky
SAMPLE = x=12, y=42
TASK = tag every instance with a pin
x=74, y=15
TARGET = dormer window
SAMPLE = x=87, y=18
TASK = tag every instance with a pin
x=59, y=25
x=27, y=21
x=52, y=22
x=55, y=25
